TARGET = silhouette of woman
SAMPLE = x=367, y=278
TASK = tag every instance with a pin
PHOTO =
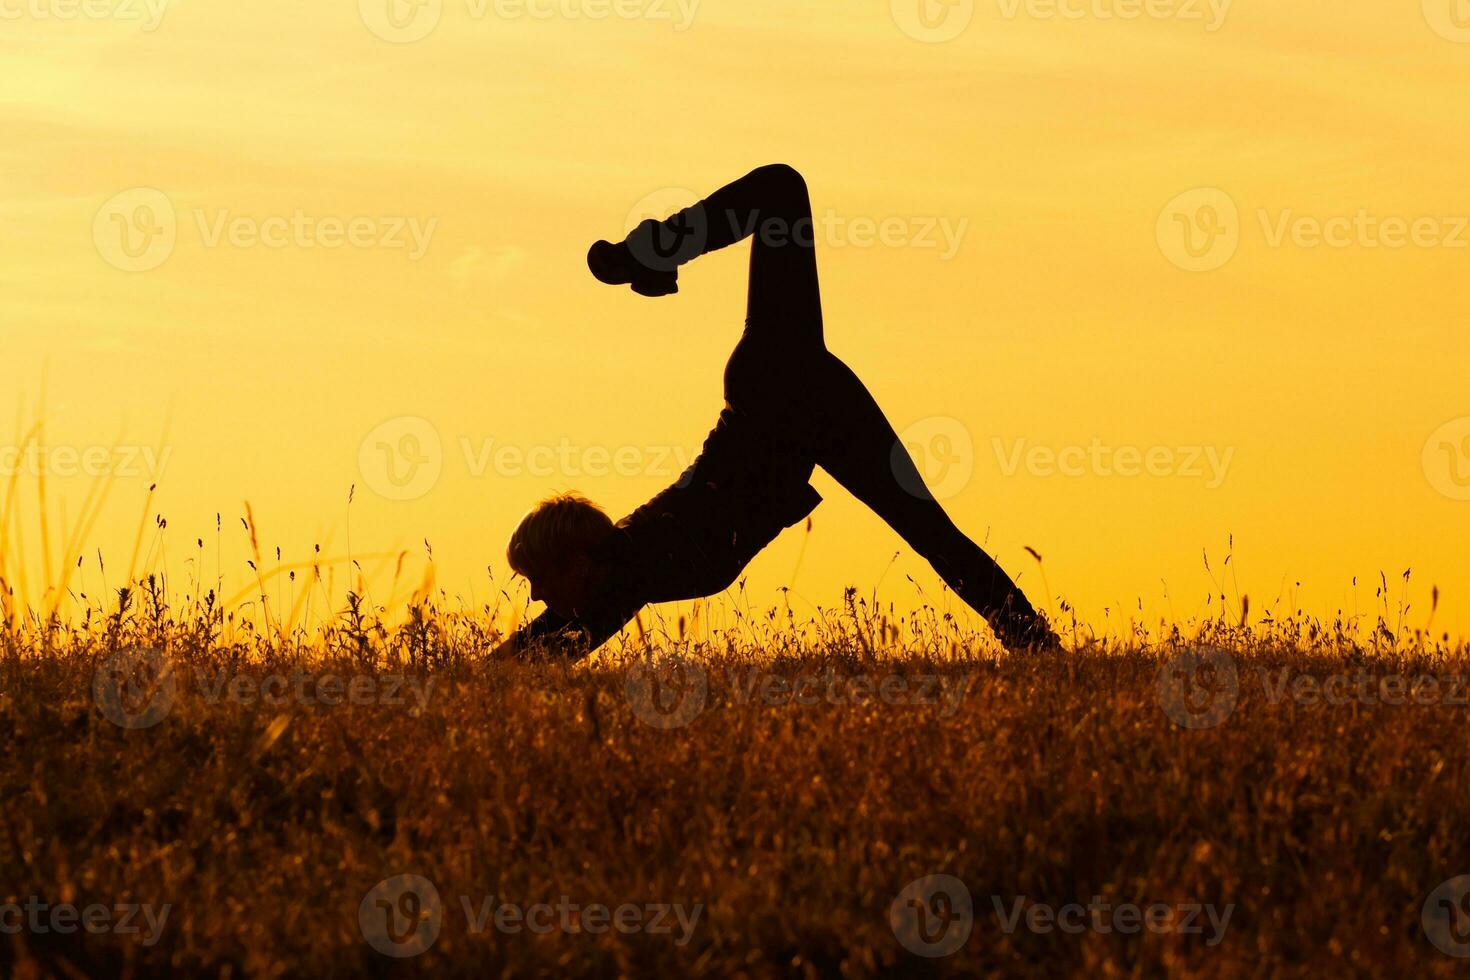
x=790, y=405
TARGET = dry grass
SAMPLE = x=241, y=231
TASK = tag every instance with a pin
x=793, y=826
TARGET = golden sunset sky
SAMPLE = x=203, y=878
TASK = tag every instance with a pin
x=291, y=248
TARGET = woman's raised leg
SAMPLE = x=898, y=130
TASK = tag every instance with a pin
x=769, y=205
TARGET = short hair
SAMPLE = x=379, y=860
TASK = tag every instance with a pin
x=555, y=529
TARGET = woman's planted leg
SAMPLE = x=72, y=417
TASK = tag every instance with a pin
x=856, y=444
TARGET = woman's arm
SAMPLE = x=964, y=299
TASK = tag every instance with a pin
x=550, y=635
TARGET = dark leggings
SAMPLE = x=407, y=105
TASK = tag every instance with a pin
x=782, y=372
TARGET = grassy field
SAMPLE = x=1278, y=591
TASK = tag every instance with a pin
x=763, y=800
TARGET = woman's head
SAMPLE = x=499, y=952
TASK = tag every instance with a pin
x=552, y=547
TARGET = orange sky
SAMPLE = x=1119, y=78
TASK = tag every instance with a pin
x=267, y=242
